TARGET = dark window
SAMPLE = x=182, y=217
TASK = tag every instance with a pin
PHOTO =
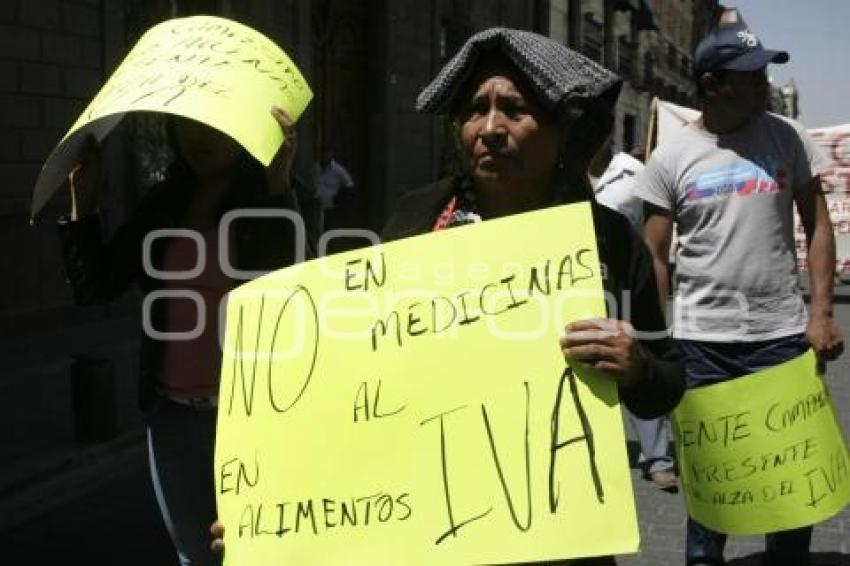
x=629, y=137
x=592, y=37
x=453, y=34
x=626, y=54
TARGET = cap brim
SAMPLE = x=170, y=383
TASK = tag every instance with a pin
x=756, y=59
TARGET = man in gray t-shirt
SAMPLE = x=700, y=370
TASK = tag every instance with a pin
x=731, y=196
x=729, y=182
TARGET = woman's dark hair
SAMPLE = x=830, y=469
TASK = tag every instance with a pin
x=586, y=125
x=248, y=182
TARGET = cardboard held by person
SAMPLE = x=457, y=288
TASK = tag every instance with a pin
x=209, y=69
x=409, y=404
x=764, y=452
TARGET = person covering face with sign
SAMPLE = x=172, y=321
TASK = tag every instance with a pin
x=730, y=182
x=210, y=176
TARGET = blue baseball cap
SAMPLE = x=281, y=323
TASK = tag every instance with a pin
x=732, y=46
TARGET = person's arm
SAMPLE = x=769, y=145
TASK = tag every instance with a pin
x=277, y=242
x=97, y=271
x=636, y=353
x=279, y=170
x=657, y=233
x=663, y=382
x=345, y=176
x=642, y=362
x=822, y=331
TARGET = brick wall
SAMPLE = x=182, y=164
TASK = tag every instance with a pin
x=51, y=62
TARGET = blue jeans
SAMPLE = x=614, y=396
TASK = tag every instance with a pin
x=707, y=363
x=654, y=439
x=181, y=442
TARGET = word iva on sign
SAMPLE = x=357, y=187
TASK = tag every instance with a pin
x=244, y=477
x=495, y=298
x=823, y=482
x=456, y=522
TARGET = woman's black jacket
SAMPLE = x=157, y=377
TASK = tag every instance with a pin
x=101, y=271
x=629, y=274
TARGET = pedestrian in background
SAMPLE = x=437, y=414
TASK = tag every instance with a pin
x=729, y=181
x=612, y=177
x=330, y=179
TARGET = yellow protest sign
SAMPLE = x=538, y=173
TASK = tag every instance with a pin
x=764, y=452
x=209, y=69
x=409, y=404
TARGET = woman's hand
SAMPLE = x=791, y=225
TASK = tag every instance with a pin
x=84, y=180
x=608, y=346
x=278, y=171
x=217, y=532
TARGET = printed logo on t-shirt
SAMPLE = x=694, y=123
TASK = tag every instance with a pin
x=743, y=178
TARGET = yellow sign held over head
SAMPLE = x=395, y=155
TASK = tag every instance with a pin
x=209, y=69
x=763, y=453
x=409, y=404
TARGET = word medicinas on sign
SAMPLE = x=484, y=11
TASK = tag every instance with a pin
x=441, y=313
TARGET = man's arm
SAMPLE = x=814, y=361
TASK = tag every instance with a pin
x=657, y=232
x=822, y=332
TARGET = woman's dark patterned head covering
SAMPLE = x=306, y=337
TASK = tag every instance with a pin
x=556, y=73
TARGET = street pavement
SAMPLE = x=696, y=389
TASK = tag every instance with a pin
x=101, y=510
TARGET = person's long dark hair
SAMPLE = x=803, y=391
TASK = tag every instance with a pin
x=248, y=183
x=586, y=126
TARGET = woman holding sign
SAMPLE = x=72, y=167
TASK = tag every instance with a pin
x=170, y=246
x=527, y=115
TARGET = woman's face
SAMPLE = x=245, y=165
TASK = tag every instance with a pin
x=509, y=142
x=207, y=151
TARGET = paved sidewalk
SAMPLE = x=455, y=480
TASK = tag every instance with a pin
x=100, y=509
x=102, y=513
